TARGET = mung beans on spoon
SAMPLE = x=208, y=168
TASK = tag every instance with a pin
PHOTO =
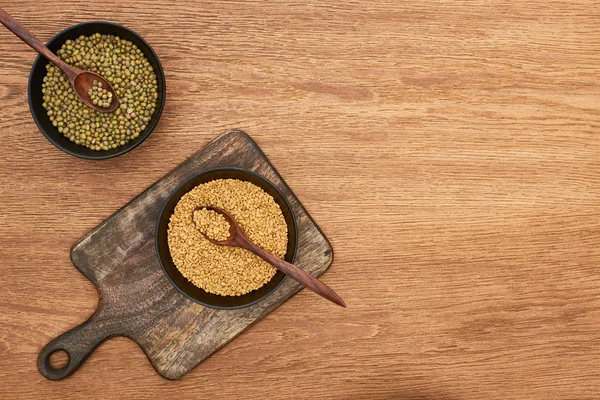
x=238, y=239
x=82, y=81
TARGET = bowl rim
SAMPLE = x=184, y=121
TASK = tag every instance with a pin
x=160, y=76
x=172, y=195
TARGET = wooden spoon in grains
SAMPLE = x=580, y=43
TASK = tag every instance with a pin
x=238, y=239
x=83, y=82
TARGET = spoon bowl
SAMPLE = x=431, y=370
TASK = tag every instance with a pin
x=233, y=227
x=84, y=81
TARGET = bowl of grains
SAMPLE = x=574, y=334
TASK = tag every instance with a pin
x=219, y=276
x=127, y=62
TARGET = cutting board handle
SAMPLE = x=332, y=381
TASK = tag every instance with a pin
x=78, y=343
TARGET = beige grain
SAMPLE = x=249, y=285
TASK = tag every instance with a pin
x=226, y=271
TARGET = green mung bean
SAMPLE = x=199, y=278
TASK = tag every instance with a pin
x=130, y=74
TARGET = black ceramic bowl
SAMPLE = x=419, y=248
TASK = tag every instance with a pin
x=38, y=71
x=185, y=286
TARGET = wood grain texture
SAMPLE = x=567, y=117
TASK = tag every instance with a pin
x=137, y=300
x=449, y=151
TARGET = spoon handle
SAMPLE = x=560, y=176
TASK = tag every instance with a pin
x=34, y=42
x=299, y=275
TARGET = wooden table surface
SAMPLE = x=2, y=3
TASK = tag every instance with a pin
x=449, y=150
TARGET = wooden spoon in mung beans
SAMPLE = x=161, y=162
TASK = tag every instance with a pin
x=82, y=81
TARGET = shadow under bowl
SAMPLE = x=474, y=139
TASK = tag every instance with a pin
x=189, y=289
x=38, y=72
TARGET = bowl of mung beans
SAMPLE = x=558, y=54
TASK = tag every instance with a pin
x=131, y=66
x=218, y=276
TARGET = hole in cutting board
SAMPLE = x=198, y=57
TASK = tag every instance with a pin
x=58, y=359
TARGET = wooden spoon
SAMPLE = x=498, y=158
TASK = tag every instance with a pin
x=237, y=239
x=80, y=80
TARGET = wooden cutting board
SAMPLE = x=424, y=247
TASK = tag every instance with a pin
x=136, y=298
